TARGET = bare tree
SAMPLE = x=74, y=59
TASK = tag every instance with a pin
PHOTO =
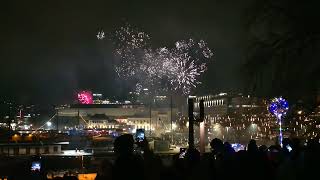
x=283, y=52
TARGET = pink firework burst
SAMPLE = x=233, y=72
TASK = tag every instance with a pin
x=85, y=97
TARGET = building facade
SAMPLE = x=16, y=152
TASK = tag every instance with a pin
x=237, y=118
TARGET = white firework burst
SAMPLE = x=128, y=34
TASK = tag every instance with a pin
x=100, y=35
x=129, y=47
x=178, y=68
x=185, y=74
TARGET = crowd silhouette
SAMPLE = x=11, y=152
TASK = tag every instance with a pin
x=293, y=161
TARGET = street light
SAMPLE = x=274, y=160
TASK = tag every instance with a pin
x=49, y=124
x=174, y=126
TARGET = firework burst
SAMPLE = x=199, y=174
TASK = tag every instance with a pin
x=129, y=48
x=185, y=75
x=163, y=68
x=85, y=97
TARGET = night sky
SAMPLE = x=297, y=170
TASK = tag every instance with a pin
x=49, y=49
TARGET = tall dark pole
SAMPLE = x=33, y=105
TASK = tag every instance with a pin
x=171, y=111
x=191, y=120
x=150, y=117
x=57, y=112
x=78, y=118
x=171, y=118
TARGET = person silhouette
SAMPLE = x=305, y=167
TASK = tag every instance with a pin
x=105, y=170
x=252, y=146
x=228, y=149
x=217, y=146
x=127, y=165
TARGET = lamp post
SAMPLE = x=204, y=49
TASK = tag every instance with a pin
x=191, y=121
x=171, y=119
x=150, y=118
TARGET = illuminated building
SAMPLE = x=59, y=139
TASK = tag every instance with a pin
x=119, y=116
x=97, y=98
x=304, y=123
x=235, y=117
x=140, y=123
x=213, y=104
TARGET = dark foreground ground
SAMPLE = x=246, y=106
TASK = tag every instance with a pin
x=297, y=162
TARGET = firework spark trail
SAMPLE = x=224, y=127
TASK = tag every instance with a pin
x=178, y=67
x=206, y=51
x=129, y=45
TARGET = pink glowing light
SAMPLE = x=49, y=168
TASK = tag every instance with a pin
x=85, y=97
